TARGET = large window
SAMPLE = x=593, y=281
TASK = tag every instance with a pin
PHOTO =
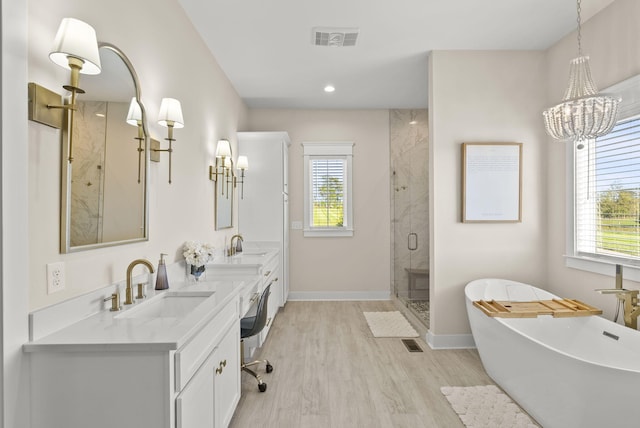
x=606, y=206
x=328, y=208
x=607, y=223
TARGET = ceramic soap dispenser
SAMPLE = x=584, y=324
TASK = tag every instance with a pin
x=162, y=282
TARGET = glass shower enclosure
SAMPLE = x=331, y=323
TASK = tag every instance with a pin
x=409, y=155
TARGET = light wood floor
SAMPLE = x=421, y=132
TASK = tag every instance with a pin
x=329, y=371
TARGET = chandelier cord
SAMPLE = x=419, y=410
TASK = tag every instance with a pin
x=579, y=29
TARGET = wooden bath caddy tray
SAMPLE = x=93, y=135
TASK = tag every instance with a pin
x=555, y=307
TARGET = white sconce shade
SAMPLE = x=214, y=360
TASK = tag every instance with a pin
x=227, y=162
x=224, y=149
x=170, y=112
x=134, y=117
x=243, y=163
x=76, y=39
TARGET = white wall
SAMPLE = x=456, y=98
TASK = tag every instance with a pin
x=171, y=61
x=612, y=41
x=14, y=396
x=334, y=267
x=480, y=96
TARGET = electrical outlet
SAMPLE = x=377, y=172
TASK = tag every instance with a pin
x=55, y=277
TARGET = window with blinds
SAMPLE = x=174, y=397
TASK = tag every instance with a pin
x=607, y=194
x=328, y=178
x=328, y=196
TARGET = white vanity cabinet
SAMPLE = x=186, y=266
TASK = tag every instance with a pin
x=107, y=372
x=211, y=395
x=263, y=212
x=227, y=377
x=258, y=268
x=271, y=276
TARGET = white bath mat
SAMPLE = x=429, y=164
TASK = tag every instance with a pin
x=486, y=407
x=389, y=324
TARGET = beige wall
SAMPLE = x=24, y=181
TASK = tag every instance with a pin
x=335, y=265
x=612, y=40
x=171, y=61
x=483, y=97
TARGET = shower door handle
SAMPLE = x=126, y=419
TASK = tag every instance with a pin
x=412, y=241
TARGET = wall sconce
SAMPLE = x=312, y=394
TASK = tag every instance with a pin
x=134, y=117
x=170, y=116
x=243, y=165
x=222, y=171
x=75, y=48
x=223, y=166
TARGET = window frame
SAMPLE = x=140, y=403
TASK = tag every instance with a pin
x=628, y=91
x=317, y=150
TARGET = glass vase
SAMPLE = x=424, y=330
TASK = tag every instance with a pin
x=197, y=271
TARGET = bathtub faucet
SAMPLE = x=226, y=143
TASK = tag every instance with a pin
x=629, y=299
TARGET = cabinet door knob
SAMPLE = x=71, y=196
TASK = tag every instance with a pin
x=221, y=366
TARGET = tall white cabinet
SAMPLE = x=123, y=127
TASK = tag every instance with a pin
x=263, y=212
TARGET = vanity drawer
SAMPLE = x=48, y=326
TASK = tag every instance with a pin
x=270, y=270
x=248, y=298
x=189, y=358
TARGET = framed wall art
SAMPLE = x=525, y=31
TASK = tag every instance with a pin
x=491, y=182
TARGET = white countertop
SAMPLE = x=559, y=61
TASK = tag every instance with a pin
x=107, y=330
x=255, y=257
x=112, y=331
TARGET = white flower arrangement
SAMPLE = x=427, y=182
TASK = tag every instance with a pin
x=197, y=253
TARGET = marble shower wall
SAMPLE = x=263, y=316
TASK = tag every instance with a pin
x=409, y=160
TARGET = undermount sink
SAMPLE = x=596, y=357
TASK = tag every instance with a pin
x=170, y=304
x=252, y=253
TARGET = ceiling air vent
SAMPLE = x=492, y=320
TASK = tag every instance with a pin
x=333, y=36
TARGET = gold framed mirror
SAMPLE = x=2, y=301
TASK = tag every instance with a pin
x=224, y=194
x=104, y=192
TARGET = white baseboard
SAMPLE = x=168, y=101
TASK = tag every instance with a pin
x=450, y=341
x=338, y=295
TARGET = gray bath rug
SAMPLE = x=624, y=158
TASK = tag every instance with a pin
x=389, y=324
x=486, y=407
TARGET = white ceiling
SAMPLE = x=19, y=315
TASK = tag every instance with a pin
x=264, y=46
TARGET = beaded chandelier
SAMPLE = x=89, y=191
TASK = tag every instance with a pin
x=583, y=114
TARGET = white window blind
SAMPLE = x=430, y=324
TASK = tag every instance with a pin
x=328, y=180
x=607, y=194
x=328, y=207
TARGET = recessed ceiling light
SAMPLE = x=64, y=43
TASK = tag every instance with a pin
x=413, y=122
x=329, y=88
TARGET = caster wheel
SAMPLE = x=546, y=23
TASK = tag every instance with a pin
x=269, y=368
x=262, y=387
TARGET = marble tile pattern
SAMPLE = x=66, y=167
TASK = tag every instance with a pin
x=409, y=160
x=89, y=136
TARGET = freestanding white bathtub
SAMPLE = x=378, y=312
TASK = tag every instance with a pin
x=565, y=372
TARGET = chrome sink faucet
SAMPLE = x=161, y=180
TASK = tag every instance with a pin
x=129, y=291
x=629, y=299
